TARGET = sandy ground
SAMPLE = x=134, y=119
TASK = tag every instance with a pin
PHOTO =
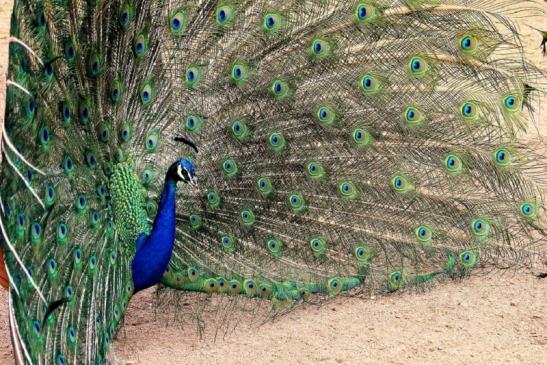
x=499, y=318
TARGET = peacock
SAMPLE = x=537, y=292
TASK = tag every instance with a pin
x=278, y=150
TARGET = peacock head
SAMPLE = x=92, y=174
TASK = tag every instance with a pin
x=183, y=170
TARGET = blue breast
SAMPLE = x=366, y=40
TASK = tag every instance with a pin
x=153, y=251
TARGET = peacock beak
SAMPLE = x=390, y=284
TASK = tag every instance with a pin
x=194, y=182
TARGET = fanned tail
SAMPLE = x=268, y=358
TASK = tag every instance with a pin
x=373, y=144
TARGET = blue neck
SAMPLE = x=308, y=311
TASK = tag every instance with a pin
x=154, y=250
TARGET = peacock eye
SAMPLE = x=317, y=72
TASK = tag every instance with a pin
x=453, y=164
x=178, y=22
x=70, y=52
x=321, y=48
x=365, y=13
x=273, y=22
x=326, y=116
x=480, y=227
x=49, y=69
x=468, y=44
x=221, y=15
x=418, y=66
x=500, y=156
x=503, y=157
x=224, y=15
x=269, y=21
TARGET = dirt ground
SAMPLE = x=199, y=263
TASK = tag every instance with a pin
x=499, y=318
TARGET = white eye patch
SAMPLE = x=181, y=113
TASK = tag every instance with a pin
x=192, y=179
x=185, y=175
x=179, y=172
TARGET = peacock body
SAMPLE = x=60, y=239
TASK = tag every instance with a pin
x=337, y=144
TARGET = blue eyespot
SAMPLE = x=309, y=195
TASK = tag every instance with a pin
x=467, y=109
x=317, y=47
x=42, y=19
x=70, y=52
x=221, y=15
x=469, y=44
x=21, y=219
x=500, y=156
x=365, y=12
x=37, y=229
x=270, y=21
x=362, y=11
x=175, y=23
x=418, y=66
x=31, y=105
x=49, y=70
